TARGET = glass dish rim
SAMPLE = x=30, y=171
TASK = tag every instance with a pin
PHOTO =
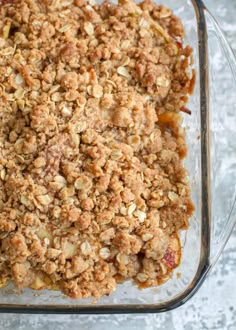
x=204, y=264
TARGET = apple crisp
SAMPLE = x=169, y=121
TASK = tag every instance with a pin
x=93, y=190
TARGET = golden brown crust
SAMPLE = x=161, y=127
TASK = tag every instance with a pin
x=92, y=186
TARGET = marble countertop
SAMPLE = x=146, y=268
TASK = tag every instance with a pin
x=214, y=305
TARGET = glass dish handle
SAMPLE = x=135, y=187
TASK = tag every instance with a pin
x=222, y=82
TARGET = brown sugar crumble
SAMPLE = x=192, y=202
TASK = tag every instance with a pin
x=93, y=190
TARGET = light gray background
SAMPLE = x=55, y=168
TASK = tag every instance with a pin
x=212, y=308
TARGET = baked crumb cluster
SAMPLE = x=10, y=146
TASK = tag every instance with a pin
x=93, y=190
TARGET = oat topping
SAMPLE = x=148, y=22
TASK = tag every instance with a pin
x=93, y=190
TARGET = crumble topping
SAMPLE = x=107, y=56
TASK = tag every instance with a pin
x=93, y=190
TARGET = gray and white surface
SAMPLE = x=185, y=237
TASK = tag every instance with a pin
x=212, y=308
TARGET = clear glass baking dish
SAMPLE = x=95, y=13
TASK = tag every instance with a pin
x=211, y=163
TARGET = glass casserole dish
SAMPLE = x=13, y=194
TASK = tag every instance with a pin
x=204, y=241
